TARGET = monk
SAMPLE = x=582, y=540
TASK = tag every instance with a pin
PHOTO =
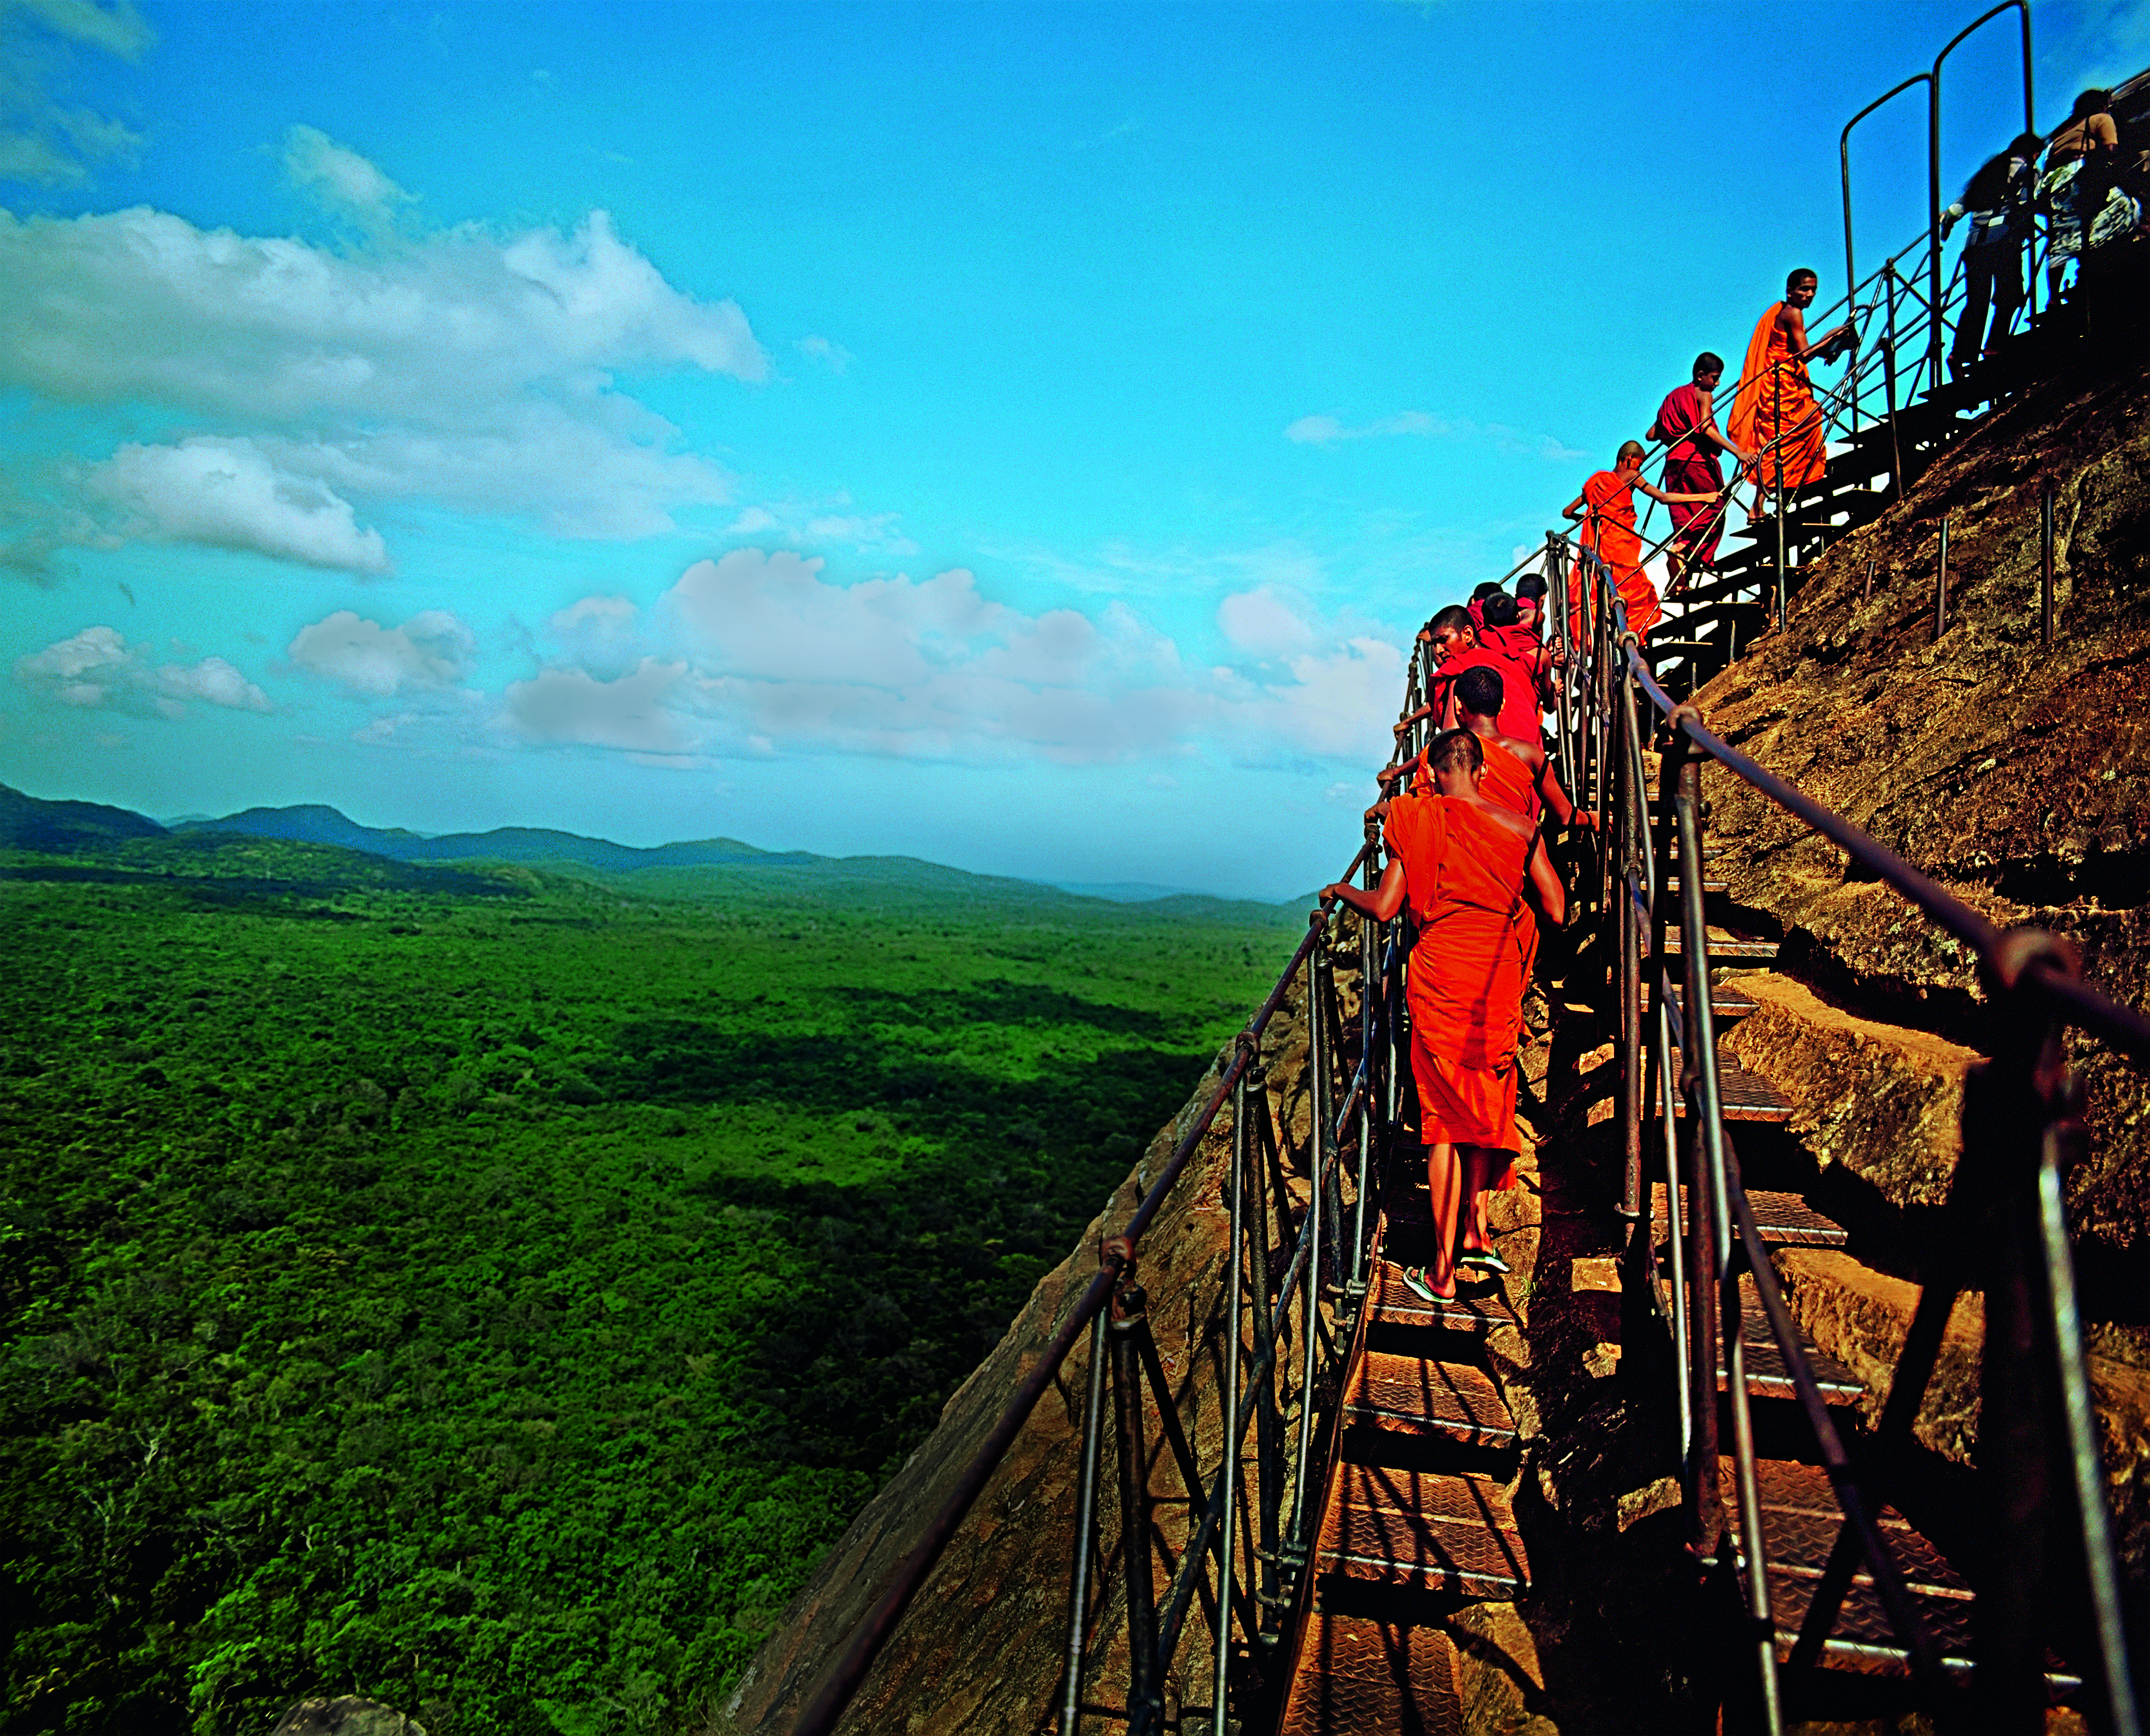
x=1686, y=422
x=1519, y=774
x=1454, y=637
x=1773, y=413
x=1607, y=507
x=1462, y=862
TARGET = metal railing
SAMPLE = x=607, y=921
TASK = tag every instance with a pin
x=1293, y=1283
x=2038, y=1458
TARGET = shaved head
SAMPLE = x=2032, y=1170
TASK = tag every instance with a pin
x=1630, y=449
x=1456, y=618
x=1456, y=750
x=1480, y=692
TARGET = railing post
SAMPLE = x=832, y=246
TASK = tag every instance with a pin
x=1705, y=1189
x=2037, y=1449
x=1777, y=458
x=1294, y=1551
x=1129, y=1309
x=1246, y=1094
x=1889, y=378
x=1086, y=1519
x=1370, y=965
x=2046, y=562
x=1633, y=831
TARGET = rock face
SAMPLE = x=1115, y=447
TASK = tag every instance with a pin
x=2012, y=774
x=345, y=1716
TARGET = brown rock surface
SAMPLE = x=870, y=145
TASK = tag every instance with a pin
x=1884, y=1101
x=347, y=1715
x=2013, y=774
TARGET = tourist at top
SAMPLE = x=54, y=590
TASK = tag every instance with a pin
x=1997, y=202
x=2079, y=160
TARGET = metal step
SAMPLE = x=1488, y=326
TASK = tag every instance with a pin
x=1710, y=884
x=1784, y=1219
x=1435, y=1532
x=1741, y=1095
x=1393, y=1303
x=1724, y=948
x=1415, y=1395
x=1766, y=1377
x=1726, y=1002
x=1354, y=1673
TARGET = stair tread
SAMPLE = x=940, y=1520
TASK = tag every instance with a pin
x=1726, y=1002
x=1726, y=946
x=1437, y=1530
x=1784, y=1219
x=1741, y=1095
x=1356, y=1672
x=1392, y=1302
x=1766, y=1377
x=1800, y=1519
x=1418, y=1395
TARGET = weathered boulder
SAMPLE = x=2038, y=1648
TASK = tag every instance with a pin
x=346, y=1715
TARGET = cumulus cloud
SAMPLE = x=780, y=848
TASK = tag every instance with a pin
x=228, y=494
x=1264, y=623
x=339, y=177
x=460, y=368
x=1324, y=430
x=116, y=29
x=98, y=669
x=569, y=705
x=430, y=652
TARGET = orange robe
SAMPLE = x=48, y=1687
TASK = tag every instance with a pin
x=1609, y=528
x=1510, y=783
x=1776, y=394
x=1464, y=873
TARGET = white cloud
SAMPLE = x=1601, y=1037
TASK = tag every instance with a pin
x=568, y=705
x=1264, y=623
x=457, y=368
x=96, y=667
x=1324, y=430
x=43, y=142
x=116, y=29
x=340, y=178
x=821, y=525
x=430, y=652
x=227, y=494
x=832, y=355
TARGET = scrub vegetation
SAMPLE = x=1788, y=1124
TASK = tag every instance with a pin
x=487, y=1289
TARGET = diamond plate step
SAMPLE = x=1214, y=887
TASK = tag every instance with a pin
x=1357, y=1673
x=1741, y=1095
x=1766, y=1377
x=1725, y=949
x=1726, y=1002
x=1393, y=1303
x=1710, y=883
x=1435, y=1531
x=1784, y=1219
x=1414, y=1396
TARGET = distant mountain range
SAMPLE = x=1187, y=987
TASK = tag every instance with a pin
x=28, y=823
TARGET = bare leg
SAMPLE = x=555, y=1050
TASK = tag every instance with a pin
x=1444, y=1187
x=1480, y=1166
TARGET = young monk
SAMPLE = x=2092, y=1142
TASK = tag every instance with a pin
x=1688, y=421
x=1455, y=648
x=1606, y=508
x=1462, y=863
x=1518, y=773
x=1773, y=413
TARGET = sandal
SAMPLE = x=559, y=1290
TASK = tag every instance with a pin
x=1416, y=1281
x=1485, y=1258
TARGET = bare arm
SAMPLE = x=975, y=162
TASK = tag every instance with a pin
x=1663, y=498
x=1793, y=325
x=1382, y=903
x=1552, y=896
x=1575, y=508
x=1706, y=423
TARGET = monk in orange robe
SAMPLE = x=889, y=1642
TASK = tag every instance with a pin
x=1773, y=413
x=1606, y=508
x=1518, y=773
x=1462, y=862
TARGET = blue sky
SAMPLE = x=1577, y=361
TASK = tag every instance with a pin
x=1021, y=435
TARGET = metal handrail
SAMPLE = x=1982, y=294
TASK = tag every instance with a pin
x=1117, y=1260
x=2023, y=965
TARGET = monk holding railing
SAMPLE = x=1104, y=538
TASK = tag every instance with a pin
x=1773, y=413
x=1686, y=422
x=1606, y=508
x=1462, y=863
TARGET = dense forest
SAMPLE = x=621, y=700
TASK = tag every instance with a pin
x=487, y=1288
